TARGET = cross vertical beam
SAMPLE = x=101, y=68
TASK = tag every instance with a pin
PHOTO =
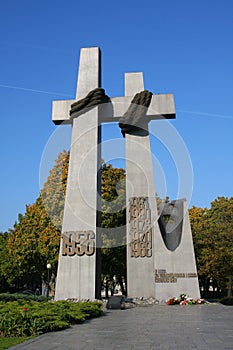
x=78, y=268
x=141, y=204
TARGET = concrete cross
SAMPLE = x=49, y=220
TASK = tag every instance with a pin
x=78, y=269
x=161, y=106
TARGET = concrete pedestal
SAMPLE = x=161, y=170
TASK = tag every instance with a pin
x=175, y=271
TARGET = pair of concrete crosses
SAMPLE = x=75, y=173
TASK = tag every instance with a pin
x=79, y=270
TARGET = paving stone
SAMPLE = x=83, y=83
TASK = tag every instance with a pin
x=159, y=327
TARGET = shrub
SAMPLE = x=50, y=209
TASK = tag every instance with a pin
x=20, y=296
x=27, y=318
x=20, y=325
x=227, y=301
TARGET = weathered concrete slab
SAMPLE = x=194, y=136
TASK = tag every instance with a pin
x=201, y=327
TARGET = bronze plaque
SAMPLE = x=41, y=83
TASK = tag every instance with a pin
x=78, y=243
x=140, y=227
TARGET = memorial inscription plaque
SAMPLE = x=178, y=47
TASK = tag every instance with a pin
x=161, y=276
x=140, y=227
x=78, y=243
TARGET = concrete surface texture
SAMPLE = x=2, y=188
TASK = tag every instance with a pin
x=162, y=273
x=78, y=273
x=150, y=265
x=179, y=265
x=139, y=185
x=160, y=327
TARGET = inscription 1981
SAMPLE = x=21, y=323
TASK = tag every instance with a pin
x=140, y=227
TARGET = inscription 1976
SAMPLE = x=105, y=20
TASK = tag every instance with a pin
x=140, y=227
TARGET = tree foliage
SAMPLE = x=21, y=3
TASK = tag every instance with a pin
x=213, y=241
x=5, y=261
x=32, y=244
x=53, y=191
x=113, y=228
x=34, y=241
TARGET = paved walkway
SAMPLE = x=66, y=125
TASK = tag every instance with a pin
x=158, y=327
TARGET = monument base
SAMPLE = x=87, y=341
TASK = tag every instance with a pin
x=175, y=268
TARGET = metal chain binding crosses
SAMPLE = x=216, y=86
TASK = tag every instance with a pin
x=133, y=119
x=93, y=98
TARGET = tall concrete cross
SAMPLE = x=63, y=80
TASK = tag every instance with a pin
x=79, y=260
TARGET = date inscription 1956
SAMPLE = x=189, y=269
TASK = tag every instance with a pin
x=78, y=243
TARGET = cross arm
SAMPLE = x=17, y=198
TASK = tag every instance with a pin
x=60, y=111
x=161, y=107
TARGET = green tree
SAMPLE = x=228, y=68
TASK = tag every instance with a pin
x=113, y=224
x=198, y=221
x=53, y=191
x=34, y=240
x=5, y=262
x=32, y=244
x=220, y=229
x=213, y=242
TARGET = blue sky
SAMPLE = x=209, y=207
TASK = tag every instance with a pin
x=182, y=47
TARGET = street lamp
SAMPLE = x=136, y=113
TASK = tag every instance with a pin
x=49, y=266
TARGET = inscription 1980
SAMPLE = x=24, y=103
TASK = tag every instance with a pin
x=140, y=227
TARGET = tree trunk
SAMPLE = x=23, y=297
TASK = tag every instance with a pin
x=229, y=290
x=106, y=289
x=123, y=291
x=45, y=289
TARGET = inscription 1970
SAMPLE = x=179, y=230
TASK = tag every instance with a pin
x=140, y=227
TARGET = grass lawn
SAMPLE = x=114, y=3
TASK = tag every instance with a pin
x=6, y=343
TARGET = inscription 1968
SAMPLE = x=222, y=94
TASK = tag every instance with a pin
x=78, y=243
x=140, y=227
